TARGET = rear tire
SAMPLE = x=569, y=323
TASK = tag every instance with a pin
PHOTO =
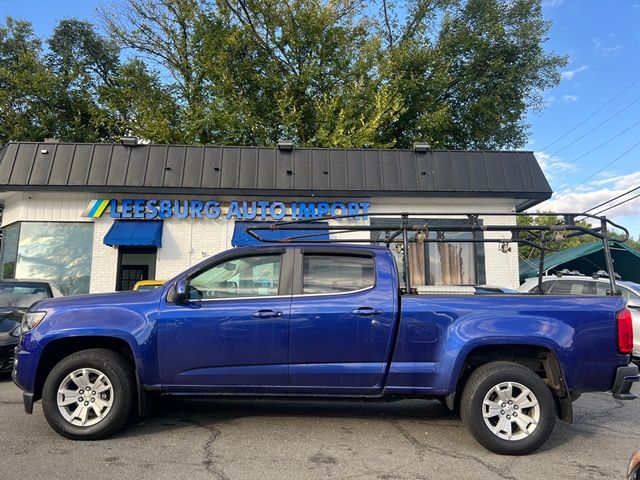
x=508, y=408
x=89, y=395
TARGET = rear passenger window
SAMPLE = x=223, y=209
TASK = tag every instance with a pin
x=336, y=273
x=570, y=287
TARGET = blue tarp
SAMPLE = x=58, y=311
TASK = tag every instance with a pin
x=241, y=238
x=134, y=233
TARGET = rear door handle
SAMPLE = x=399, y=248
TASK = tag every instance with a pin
x=267, y=314
x=366, y=311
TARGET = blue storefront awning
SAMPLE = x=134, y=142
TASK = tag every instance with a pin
x=241, y=238
x=134, y=233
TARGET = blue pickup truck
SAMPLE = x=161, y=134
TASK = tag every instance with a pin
x=323, y=320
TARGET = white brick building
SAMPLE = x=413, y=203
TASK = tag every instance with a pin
x=54, y=228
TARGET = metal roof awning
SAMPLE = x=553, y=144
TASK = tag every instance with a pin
x=224, y=170
x=241, y=238
x=134, y=233
x=587, y=259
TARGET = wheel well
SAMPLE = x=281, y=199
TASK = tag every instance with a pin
x=59, y=349
x=539, y=359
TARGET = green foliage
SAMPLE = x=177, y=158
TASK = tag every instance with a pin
x=26, y=87
x=529, y=253
x=328, y=73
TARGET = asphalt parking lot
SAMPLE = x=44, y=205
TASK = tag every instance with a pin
x=228, y=439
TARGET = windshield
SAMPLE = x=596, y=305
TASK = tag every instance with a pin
x=21, y=295
x=146, y=288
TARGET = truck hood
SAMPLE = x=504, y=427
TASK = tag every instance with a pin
x=114, y=299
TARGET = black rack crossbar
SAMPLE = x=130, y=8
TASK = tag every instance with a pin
x=416, y=230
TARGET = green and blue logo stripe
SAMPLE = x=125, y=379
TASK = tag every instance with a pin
x=96, y=208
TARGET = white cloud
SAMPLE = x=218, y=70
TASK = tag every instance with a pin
x=618, y=182
x=604, y=50
x=569, y=98
x=569, y=74
x=552, y=166
x=551, y=3
x=598, y=191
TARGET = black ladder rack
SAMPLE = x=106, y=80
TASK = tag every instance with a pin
x=535, y=235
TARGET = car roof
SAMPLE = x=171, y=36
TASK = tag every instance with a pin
x=151, y=282
x=314, y=245
x=587, y=278
x=26, y=280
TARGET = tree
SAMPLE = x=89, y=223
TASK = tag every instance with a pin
x=26, y=85
x=325, y=73
x=167, y=34
x=79, y=90
x=460, y=74
x=527, y=252
x=468, y=80
x=136, y=102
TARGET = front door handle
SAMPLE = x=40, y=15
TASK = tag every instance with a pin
x=366, y=311
x=267, y=314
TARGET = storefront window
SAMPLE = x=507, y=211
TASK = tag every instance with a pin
x=445, y=263
x=9, y=250
x=59, y=252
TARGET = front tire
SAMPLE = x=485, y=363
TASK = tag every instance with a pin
x=89, y=395
x=507, y=408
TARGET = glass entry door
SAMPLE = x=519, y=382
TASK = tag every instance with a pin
x=135, y=264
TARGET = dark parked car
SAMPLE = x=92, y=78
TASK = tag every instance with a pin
x=15, y=297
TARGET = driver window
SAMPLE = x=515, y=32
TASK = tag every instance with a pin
x=255, y=276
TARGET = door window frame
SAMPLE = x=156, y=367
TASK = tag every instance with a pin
x=298, y=271
x=285, y=278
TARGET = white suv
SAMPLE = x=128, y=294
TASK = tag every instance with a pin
x=575, y=284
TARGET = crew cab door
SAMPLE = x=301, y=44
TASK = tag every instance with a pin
x=343, y=314
x=233, y=332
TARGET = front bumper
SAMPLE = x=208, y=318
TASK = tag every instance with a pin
x=625, y=378
x=6, y=357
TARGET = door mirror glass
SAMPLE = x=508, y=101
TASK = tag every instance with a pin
x=181, y=291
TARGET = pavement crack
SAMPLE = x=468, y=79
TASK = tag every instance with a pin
x=208, y=451
x=421, y=448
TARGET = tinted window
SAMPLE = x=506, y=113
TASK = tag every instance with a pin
x=572, y=287
x=546, y=286
x=240, y=277
x=630, y=296
x=335, y=274
x=626, y=293
x=22, y=295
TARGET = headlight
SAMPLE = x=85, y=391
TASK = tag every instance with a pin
x=31, y=320
x=16, y=331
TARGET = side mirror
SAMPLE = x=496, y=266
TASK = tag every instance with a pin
x=181, y=294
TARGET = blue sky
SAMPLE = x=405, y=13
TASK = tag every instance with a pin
x=590, y=120
x=602, y=41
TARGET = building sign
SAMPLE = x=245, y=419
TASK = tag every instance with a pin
x=211, y=209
